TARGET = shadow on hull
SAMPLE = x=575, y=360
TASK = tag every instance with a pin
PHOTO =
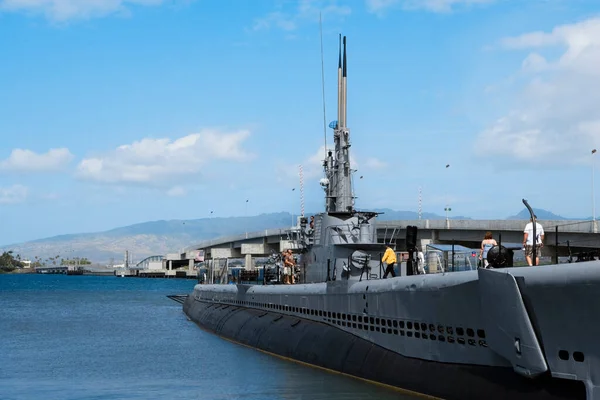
x=331, y=348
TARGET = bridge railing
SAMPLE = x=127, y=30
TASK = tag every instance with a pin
x=561, y=235
x=576, y=248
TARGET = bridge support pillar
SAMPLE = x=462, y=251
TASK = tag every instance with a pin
x=435, y=236
x=248, y=261
x=169, y=265
x=191, y=265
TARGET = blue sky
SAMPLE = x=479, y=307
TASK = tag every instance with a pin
x=114, y=112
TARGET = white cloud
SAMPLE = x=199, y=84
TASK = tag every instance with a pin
x=62, y=10
x=534, y=63
x=306, y=10
x=159, y=161
x=176, y=191
x=50, y=196
x=275, y=19
x=22, y=160
x=554, y=116
x=13, y=194
x=380, y=6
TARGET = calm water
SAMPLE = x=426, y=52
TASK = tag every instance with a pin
x=86, y=337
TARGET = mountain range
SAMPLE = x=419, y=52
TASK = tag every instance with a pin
x=161, y=237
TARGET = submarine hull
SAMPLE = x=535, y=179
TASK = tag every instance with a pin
x=328, y=347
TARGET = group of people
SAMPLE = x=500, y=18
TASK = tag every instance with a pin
x=389, y=257
x=528, y=244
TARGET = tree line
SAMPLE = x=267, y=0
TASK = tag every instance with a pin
x=9, y=261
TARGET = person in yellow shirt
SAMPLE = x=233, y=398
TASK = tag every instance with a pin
x=389, y=257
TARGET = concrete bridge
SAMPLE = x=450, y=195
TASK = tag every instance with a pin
x=561, y=238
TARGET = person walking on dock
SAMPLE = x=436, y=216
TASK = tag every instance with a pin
x=528, y=241
x=486, y=244
x=389, y=257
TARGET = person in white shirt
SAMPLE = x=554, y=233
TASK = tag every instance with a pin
x=528, y=241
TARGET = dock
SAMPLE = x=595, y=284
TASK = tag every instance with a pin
x=60, y=270
x=156, y=273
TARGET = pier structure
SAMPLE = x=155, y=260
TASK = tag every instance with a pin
x=60, y=270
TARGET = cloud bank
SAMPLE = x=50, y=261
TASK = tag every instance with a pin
x=63, y=10
x=554, y=115
x=289, y=19
x=13, y=194
x=380, y=6
x=162, y=161
x=23, y=160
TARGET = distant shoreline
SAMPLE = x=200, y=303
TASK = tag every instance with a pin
x=20, y=271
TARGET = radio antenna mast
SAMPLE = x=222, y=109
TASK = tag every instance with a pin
x=323, y=88
x=301, y=174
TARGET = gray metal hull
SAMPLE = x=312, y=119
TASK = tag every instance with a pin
x=328, y=347
x=470, y=335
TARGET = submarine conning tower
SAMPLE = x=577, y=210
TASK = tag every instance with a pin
x=338, y=182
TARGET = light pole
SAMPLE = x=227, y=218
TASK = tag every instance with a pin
x=447, y=209
x=594, y=225
x=183, y=229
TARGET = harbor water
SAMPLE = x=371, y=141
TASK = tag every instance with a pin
x=89, y=337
